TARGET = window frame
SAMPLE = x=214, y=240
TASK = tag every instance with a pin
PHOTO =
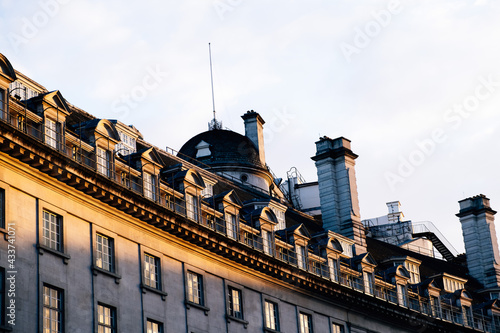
x=3, y=104
x=204, y=284
x=149, y=181
x=3, y=196
x=116, y=267
x=231, y=221
x=113, y=315
x=192, y=207
x=341, y=326
x=110, y=246
x=152, y=321
x=235, y=302
x=52, y=133
x=103, y=163
x=157, y=267
x=276, y=316
x=59, y=310
x=310, y=325
x=3, y=298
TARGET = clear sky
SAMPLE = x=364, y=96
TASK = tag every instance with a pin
x=415, y=85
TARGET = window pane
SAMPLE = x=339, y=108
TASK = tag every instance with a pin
x=51, y=233
x=52, y=310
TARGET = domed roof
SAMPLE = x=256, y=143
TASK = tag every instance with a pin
x=224, y=148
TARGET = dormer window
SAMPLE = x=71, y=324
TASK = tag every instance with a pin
x=413, y=269
x=208, y=191
x=127, y=144
x=333, y=267
x=301, y=256
x=231, y=225
x=192, y=207
x=103, y=162
x=52, y=133
x=368, y=282
x=2, y=103
x=267, y=242
x=402, y=295
x=149, y=186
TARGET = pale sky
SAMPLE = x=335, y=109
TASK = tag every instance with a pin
x=415, y=85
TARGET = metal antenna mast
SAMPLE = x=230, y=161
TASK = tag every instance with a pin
x=214, y=124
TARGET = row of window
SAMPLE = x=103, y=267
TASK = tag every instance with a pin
x=53, y=314
x=53, y=311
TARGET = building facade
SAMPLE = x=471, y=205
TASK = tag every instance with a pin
x=104, y=232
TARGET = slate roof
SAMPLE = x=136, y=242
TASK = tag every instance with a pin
x=226, y=147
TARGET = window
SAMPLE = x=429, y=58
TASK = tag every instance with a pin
x=208, y=191
x=2, y=208
x=154, y=327
x=192, y=207
x=106, y=319
x=52, y=132
x=368, y=282
x=402, y=295
x=127, y=144
x=2, y=296
x=195, y=288
x=103, y=162
x=104, y=253
x=151, y=271
x=301, y=257
x=305, y=322
x=267, y=240
x=333, y=267
x=271, y=315
x=52, y=231
x=280, y=216
x=435, y=306
x=149, y=186
x=235, y=303
x=337, y=328
x=2, y=106
x=76, y=154
x=52, y=310
x=125, y=178
x=414, y=272
x=21, y=122
x=231, y=225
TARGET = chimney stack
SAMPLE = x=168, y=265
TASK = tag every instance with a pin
x=338, y=190
x=481, y=246
x=254, y=131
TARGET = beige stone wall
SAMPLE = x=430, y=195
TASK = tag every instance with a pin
x=29, y=192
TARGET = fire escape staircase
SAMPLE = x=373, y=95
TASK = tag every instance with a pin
x=429, y=231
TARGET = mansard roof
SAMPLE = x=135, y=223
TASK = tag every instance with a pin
x=6, y=69
x=226, y=148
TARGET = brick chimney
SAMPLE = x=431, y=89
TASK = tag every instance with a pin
x=254, y=131
x=481, y=246
x=338, y=191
